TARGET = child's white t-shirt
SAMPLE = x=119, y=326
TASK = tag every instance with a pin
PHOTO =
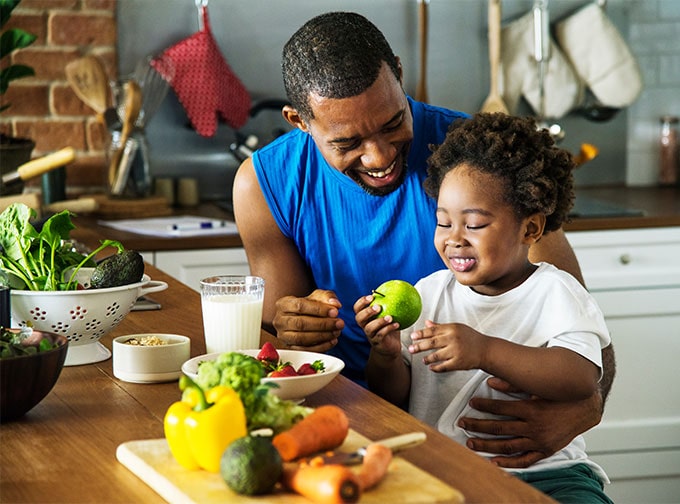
x=551, y=308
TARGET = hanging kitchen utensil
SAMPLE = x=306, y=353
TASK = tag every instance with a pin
x=494, y=102
x=203, y=81
x=89, y=82
x=423, y=21
x=132, y=106
x=36, y=167
x=154, y=87
x=542, y=56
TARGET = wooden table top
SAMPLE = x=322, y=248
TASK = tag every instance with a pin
x=64, y=449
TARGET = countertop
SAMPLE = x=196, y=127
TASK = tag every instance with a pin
x=64, y=449
x=660, y=207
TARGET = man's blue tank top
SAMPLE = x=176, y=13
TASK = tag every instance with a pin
x=350, y=240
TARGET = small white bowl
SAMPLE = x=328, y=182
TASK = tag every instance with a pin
x=150, y=363
x=293, y=388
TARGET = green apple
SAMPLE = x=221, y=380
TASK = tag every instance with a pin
x=399, y=299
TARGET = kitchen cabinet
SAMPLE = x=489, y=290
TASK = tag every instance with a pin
x=634, y=275
x=190, y=266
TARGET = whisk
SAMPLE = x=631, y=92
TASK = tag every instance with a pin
x=154, y=88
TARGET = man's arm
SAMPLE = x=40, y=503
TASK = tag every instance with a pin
x=270, y=254
x=300, y=317
x=555, y=249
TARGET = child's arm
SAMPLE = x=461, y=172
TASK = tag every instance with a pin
x=553, y=373
x=386, y=373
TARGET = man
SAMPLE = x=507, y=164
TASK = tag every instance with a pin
x=335, y=207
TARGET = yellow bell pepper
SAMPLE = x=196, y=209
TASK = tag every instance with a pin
x=201, y=426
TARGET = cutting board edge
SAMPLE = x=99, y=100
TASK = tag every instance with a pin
x=174, y=493
x=157, y=481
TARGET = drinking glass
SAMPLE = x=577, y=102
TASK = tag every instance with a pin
x=232, y=312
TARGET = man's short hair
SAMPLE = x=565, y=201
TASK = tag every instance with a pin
x=334, y=55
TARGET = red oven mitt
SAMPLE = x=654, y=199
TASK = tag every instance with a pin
x=203, y=81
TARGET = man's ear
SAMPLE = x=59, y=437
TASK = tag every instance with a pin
x=534, y=226
x=293, y=118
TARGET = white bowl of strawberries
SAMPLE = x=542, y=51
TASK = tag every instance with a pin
x=295, y=373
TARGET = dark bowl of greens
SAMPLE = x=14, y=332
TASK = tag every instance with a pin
x=30, y=364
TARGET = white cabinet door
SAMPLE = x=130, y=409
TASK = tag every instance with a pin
x=643, y=410
x=635, y=277
x=190, y=266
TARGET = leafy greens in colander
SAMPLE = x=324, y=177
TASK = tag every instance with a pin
x=41, y=259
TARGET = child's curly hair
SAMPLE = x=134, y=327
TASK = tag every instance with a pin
x=538, y=175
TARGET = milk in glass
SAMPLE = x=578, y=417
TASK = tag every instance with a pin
x=231, y=322
x=232, y=312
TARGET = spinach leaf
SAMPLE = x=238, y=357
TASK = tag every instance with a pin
x=40, y=261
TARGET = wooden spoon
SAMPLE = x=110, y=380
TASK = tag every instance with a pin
x=132, y=107
x=421, y=88
x=89, y=82
x=494, y=102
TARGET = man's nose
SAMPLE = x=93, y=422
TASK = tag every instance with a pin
x=378, y=154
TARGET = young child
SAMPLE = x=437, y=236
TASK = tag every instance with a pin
x=500, y=184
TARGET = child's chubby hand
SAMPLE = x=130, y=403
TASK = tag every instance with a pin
x=382, y=332
x=449, y=346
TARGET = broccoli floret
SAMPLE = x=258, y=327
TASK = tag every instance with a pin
x=276, y=414
x=240, y=372
x=244, y=373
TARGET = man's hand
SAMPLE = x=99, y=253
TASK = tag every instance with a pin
x=537, y=429
x=309, y=323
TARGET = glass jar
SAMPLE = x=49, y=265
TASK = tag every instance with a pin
x=668, y=151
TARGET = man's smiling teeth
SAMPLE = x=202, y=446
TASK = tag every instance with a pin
x=462, y=261
x=380, y=174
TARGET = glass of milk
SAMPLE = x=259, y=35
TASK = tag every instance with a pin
x=232, y=312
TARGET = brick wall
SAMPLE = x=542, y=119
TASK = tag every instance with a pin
x=44, y=107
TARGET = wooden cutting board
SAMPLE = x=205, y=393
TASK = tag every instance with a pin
x=120, y=208
x=151, y=461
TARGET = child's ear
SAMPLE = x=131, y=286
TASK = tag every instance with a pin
x=533, y=228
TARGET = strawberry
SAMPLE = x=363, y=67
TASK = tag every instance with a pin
x=313, y=368
x=283, y=371
x=268, y=356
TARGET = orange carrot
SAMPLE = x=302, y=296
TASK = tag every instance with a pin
x=374, y=467
x=325, y=428
x=324, y=484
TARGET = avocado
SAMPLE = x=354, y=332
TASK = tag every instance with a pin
x=251, y=465
x=124, y=268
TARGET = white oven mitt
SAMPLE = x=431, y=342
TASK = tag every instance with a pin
x=563, y=89
x=600, y=56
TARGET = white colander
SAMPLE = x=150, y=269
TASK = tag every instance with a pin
x=83, y=316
